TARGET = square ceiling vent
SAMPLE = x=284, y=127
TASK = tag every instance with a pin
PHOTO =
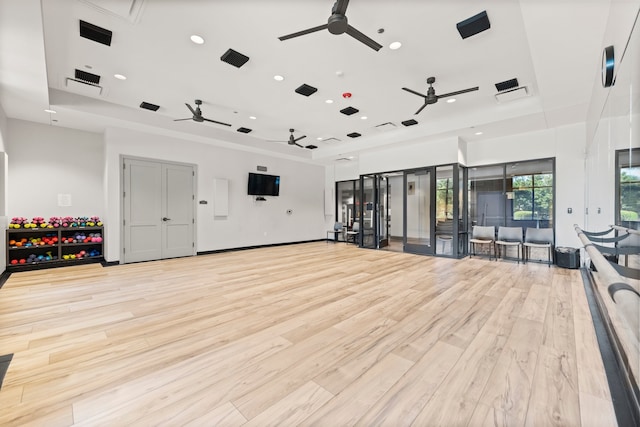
x=410, y=122
x=95, y=33
x=149, y=106
x=349, y=111
x=306, y=90
x=94, y=79
x=311, y=147
x=354, y=134
x=244, y=130
x=507, y=85
x=234, y=58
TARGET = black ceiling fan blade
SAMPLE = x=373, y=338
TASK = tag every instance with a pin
x=422, y=108
x=213, y=121
x=341, y=6
x=471, y=89
x=414, y=92
x=191, y=109
x=362, y=38
x=303, y=32
x=179, y=120
x=299, y=138
x=295, y=143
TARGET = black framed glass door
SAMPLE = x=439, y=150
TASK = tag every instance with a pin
x=419, y=211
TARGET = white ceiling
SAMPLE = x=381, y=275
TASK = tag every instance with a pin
x=551, y=46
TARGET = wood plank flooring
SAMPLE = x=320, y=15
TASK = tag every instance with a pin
x=318, y=334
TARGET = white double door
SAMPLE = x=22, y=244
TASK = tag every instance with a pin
x=158, y=210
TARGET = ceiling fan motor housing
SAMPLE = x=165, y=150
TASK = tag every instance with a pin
x=337, y=24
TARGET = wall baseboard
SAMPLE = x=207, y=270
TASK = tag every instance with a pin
x=244, y=248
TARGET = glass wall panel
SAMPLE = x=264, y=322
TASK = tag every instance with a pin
x=345, y=202
x=486, y=195
x=628, y=188
x=418, y=212
x=445, y=195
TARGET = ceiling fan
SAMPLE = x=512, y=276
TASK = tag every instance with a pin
x=338, y=24
x=431, y=97
x=294, y=141
x=197, y=115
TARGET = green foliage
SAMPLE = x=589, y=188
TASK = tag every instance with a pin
x=522, y=215
x=628, y=215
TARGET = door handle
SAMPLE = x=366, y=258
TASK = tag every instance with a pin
x=166, y=219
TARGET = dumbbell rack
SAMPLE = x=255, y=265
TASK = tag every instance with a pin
x=59, y=249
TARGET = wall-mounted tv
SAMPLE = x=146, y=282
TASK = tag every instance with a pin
x=263, y=185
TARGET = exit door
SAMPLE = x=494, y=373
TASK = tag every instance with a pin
x=158, y=210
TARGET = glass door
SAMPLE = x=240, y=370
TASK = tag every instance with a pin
x=419, y=211
x=368, y=210
x=382, y=214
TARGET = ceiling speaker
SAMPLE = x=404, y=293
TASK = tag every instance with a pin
x=474, y=25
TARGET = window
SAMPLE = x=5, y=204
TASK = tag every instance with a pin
x=532, y=196
x=628, y=188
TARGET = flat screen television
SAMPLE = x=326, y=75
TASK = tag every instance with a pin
x=263, y=185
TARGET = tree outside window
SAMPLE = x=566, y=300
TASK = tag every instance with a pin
x=533, y=196
x=629, y=193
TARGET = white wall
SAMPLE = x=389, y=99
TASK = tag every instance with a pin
x=45, y=161
x=410, y=156
x=249, y=222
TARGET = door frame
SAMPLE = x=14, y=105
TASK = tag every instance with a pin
x=121, y=161
x=420, y=249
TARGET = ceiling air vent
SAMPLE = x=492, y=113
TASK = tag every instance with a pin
x=354, y=134
x=349, y=111
x=234, y=58
x=385, y=126
x=512, y=95
x=87, y=77
x=306, y=90
x=409, y=122
x=83, y=88
x=95, y=33
x=244, y=130
x=311, y=147
x=149, y=106
x=507, y=85
x=331, y=140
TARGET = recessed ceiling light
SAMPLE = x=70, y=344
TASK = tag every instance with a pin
x=478, y=133
x=278, y=78
x=395, y=45
x=252, y=117
x=364, y=117
x=351, y=157
x=197, y=39
x=329, y=101
x=120, y=77
x=319, y=138
x=50, y=111
x=451, y=100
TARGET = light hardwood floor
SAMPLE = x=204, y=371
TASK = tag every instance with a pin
x=319, y=334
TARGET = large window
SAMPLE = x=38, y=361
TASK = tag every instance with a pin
x=628, y=187
x=518, y=194
x=532, y=196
